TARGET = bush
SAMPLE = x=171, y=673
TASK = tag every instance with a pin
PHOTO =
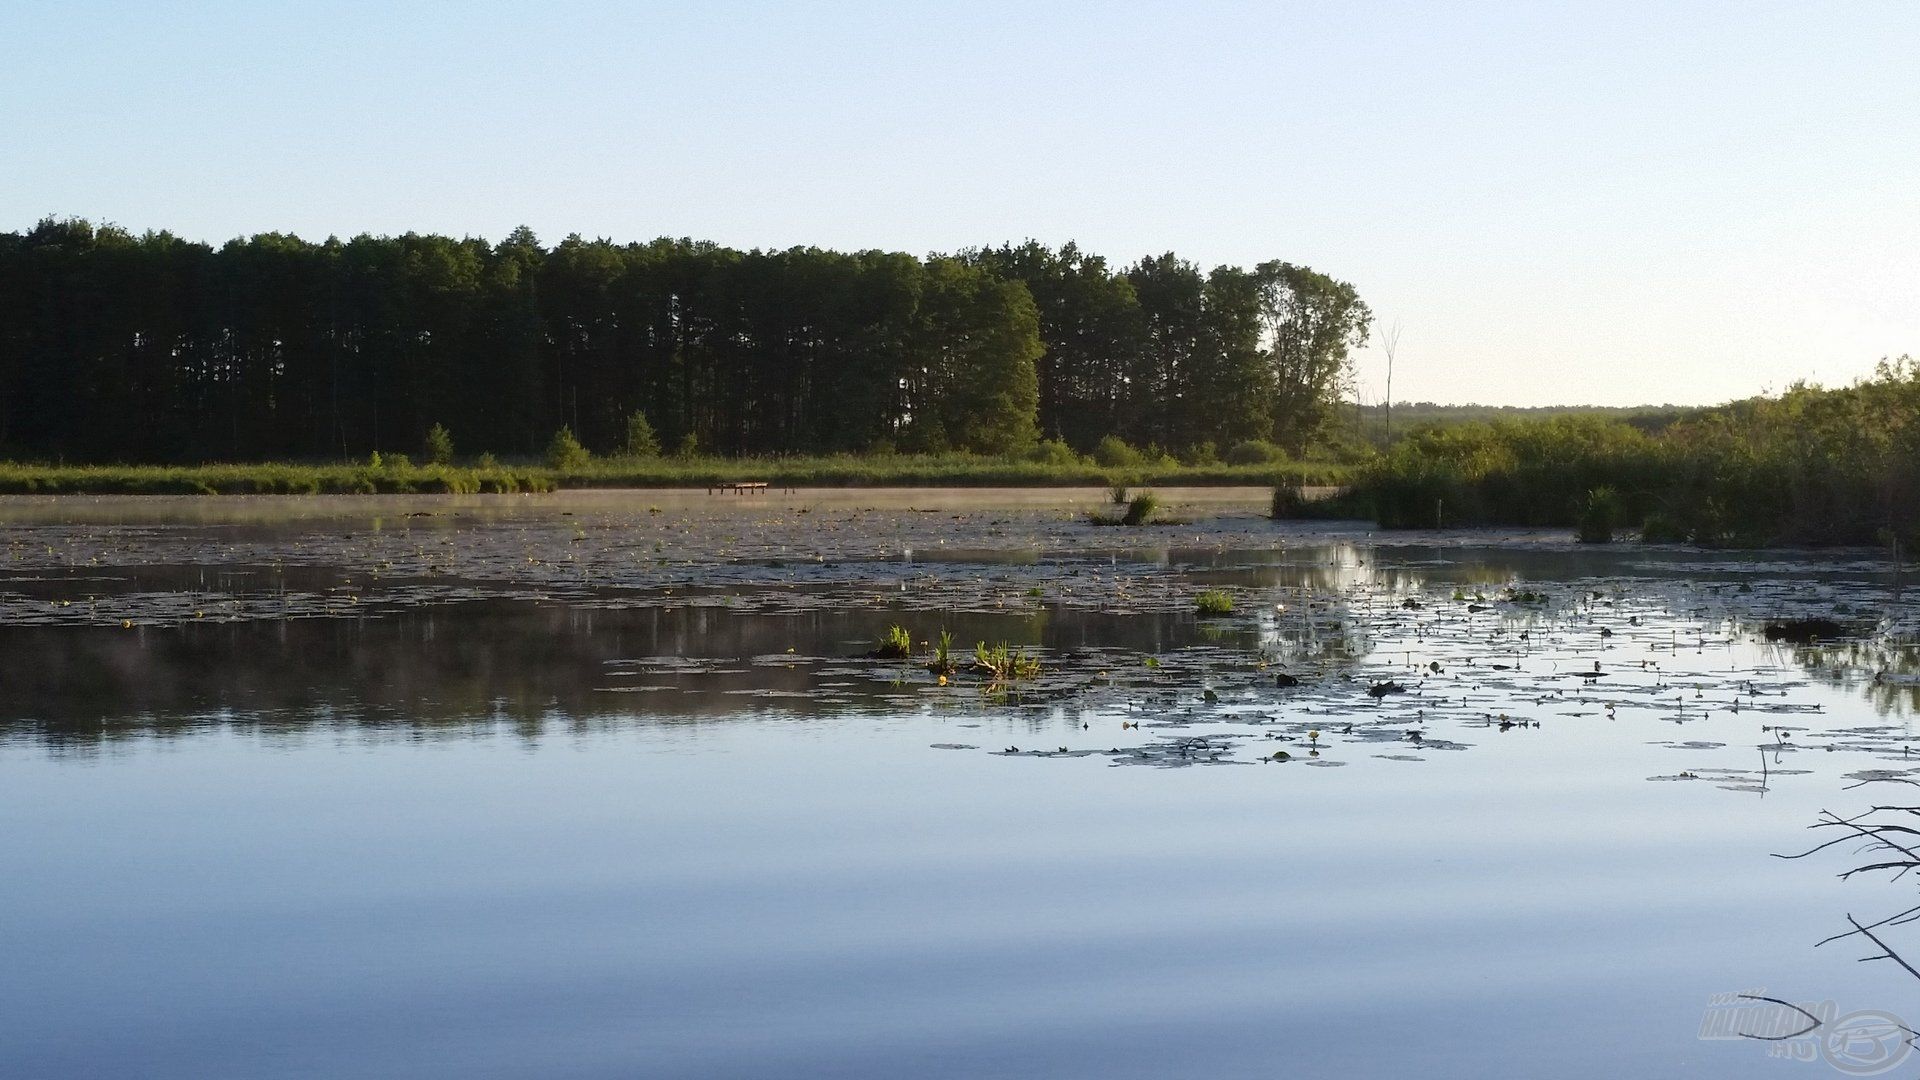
x=1202, y=453
x=439, y=445
x=1053, y=452
x=689, y=446
x=565, y=452
x=1661, y=529
x=1289, y=501
x=1140, y=509
x=1597, y=516
x=640, y=441
x=1254, y=452
x=1113, y=452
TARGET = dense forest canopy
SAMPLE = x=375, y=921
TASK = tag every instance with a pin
x=152, y=348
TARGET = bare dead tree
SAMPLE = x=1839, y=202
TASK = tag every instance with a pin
x=1890, y=844
x=1389, y=344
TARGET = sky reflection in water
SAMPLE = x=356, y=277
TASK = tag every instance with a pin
x=501, y=837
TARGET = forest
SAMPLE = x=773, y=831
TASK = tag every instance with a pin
x=153, y=349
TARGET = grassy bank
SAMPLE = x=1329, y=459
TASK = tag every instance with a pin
x=394, y=475
x=1812, y=466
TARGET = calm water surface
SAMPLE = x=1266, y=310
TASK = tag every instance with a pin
x=283, y=793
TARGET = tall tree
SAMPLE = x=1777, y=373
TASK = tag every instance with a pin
x=1312, y=322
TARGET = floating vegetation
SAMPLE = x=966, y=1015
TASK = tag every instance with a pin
x=895, y=644
x=942, y=663
x=1804, y=631
x=1358, y=644
x=1214, y=602
x=1004, y=664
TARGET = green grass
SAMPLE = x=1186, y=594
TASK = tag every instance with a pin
x=1003, y=664
x=890, y=470
x=895, y=644
x=1213, y=602
x=1140, y=509
x=270, y=478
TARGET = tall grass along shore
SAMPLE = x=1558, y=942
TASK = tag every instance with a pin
x=392, y=473
x=1812, y=466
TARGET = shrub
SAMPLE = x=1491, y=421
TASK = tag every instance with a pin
x=1053, y=452
x=1155, y=456
x=1214, y=602
x=1140, y=509
x=1597, y=516
x=398, y=463
x=1289, y=501
x=565, y=452
x=1202, y=453
x=1117, y=494
x=1113, y=452
x=640, y=440
x=1254, y=452
x=1661, y=529
x=689, y=446
x=439, y=445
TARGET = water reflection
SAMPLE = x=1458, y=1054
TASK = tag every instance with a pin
x=1885, y=671
x=511, y=660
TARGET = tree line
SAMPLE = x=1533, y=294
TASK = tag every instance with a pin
x=153, y=348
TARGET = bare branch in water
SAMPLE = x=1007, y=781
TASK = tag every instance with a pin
x=1812, y=1025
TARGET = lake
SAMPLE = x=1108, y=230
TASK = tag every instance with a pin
x=611, y=784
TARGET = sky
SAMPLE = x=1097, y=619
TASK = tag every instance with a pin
x=1557, y=203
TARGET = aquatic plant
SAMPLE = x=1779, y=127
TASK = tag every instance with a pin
x=942, y=663
x=1140, y=509
x=895, y=644
x=1214, y=602
x=1004, y=664
x=1117, y=494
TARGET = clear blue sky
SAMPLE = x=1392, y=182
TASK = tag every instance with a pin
x=1605, y=202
